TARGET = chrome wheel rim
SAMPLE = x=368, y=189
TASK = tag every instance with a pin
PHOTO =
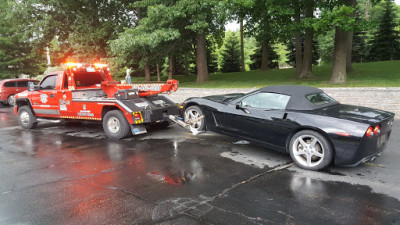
x=308, y=150
x=192, y=114
x=24, y=117
x=113, y=125
x=11, y=100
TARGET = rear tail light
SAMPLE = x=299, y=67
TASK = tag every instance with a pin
x=370, y=132
x=137, y=116
x=373, y=130
x=377, y=130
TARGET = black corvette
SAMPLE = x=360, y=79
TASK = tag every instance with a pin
x=303, y=121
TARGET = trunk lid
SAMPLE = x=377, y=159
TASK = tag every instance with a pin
x=356, y=113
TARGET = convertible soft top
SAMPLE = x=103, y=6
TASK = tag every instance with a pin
x=297, y=93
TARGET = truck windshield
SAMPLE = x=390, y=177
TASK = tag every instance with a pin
x=87, y=79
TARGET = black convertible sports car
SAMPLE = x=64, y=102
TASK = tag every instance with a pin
x=303, y=121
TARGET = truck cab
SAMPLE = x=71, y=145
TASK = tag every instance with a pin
x=88, y=92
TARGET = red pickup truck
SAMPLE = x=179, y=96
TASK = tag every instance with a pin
x=88, y=92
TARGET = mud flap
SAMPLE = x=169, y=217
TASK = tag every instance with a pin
x=138, y=129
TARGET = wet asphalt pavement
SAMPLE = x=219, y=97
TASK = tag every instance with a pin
x=70, y=173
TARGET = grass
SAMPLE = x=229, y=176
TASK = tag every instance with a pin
x=374, y=74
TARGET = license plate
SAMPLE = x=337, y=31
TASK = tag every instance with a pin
x=90, y=69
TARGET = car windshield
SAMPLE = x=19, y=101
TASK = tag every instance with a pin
x=320, y=99
x=241, y=95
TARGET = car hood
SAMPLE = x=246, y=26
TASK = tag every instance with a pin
x=223, y=98
x=356, y=113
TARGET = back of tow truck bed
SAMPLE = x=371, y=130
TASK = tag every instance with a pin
x=88, y=92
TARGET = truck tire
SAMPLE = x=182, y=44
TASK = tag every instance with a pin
x=26, y=117
x=115, y=125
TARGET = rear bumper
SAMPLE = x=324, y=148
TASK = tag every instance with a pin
x=151, y=109
x=161, y=114
x=368, y=149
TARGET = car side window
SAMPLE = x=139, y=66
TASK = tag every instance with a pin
x=22, y=84
x=49, y=83
x=264, y=100
x=10, y=84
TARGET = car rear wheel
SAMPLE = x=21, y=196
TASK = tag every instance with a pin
x=193, y=113
x=26, y=118
x=11, y=100
x=115, y=125
x=310, y=150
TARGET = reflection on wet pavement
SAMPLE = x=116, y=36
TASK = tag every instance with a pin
x=71, y=174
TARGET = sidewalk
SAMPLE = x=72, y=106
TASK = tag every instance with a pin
x=380, y=98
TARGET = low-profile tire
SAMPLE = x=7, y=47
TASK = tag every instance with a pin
x=11, y=100
x=310, y=150
x=26, y=117
x=193, y=112
x=115, y=125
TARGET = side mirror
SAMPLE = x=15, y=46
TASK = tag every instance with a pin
x=239, y=105
x=32, y=86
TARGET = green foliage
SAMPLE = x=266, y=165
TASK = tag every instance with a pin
x=231, y=53
x=17, y=55
x=273, y=58
x=386, y=42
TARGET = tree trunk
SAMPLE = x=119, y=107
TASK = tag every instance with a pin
x=308, y=41
x=158, y=72
x=243, y=67
x=171, y=67
x=297, y=44
x=201, y=58
x=339, y=75
x=349, y=67
x=264, y=55
x=366, y=12
x=147, y=72
x=186, y=61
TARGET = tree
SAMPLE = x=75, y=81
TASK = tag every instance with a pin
x=386, y=42
x=341, y=18
x=17, y=54
x=292, y=54
x=256, y=58
x=231, y=61
x=81, y=29
x=265, y=24
x=172, y=25
x=306, y=68
x=239, y=9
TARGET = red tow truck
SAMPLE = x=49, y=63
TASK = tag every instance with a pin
x=88, y=92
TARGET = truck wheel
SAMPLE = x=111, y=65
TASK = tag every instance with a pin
x=26, y=118
x=115, y=125
x=11, y=100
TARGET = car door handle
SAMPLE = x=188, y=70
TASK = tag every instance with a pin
x=51, y=95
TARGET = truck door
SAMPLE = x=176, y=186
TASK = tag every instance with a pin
x=45, y=101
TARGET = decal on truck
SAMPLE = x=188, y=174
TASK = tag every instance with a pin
x=43, y=98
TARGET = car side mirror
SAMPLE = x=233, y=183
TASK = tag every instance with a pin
x=239, y=105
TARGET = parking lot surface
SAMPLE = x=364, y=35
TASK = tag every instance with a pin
x=70, y=173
